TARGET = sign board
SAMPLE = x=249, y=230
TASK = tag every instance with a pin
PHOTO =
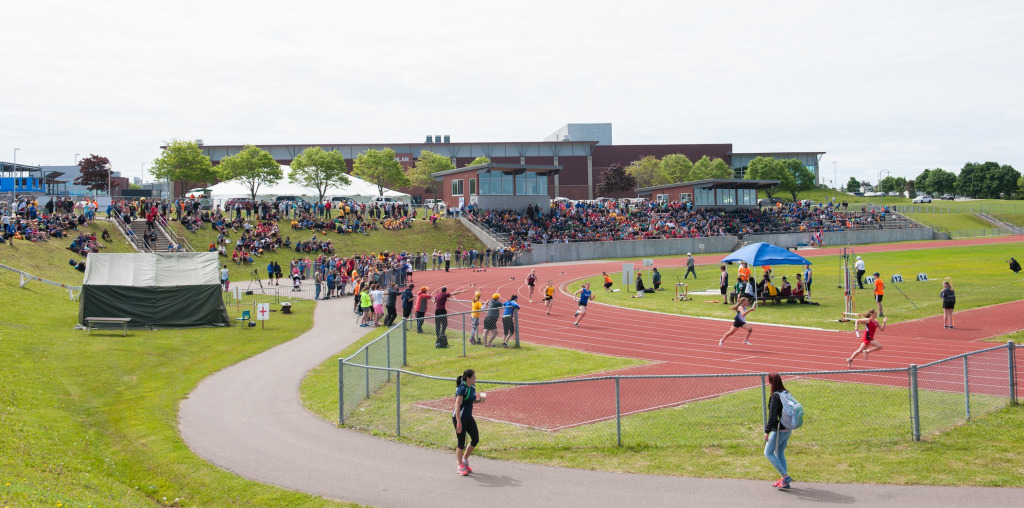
x=627, y=274
x=262, y=312
x=648, y=262
x=236, y=292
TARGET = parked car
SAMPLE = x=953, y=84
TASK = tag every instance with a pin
x=230, y=205
x=432, y=203
x=383, y=200
x=923, y=199
x=769, y=201
x=290, y=199
x=894, y=194
x=947, y=197
x=806, y=202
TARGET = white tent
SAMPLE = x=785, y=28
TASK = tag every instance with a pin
x=358, y=190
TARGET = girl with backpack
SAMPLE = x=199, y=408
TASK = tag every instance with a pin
x=776, y=435
x=868, y=343
x=462, y=418
x=740, y=321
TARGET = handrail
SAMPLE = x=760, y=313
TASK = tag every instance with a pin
x=125, y=227
x=169, y=233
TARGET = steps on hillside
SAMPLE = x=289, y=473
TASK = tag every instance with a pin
x=139, y=227
x=998, y=223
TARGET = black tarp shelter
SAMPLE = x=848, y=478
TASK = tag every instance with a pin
x=155, y=290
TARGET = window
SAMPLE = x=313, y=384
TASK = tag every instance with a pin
x=532, y=184
x=472, y=185
x=704, y=197
x=662, y=198
x=456, y=187
x=685, y=197
x=496, y=183
x=746, y=196
x=726, y=197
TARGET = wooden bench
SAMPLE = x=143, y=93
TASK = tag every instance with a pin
x=777, y=299
x=90, y=321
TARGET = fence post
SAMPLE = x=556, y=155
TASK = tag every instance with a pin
x=366, y=368
x=341, y=391
x=618, y=415
x=1010, y=347
x=967, y=391
x=387, y=341
x=405, y=341
x=517, y=328
x=915, y=416
x=463, y=335
x=764, y=408
x=398, y=402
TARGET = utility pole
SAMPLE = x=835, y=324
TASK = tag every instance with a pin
x=835, y=175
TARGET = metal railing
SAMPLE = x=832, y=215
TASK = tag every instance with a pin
x=959, y=207
x=593, y=412
x=28, y=277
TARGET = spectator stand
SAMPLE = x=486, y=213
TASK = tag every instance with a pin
x=27, y=277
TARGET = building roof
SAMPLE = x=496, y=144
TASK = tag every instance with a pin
x=715, y=183
x=500, y=166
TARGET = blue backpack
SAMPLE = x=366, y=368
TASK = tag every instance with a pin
x=792, y=411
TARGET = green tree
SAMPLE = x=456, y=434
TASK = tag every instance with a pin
x=767, y=168
x=887, y=185
x=380, y=168
x=615, y=179
x=941, y=182
x=802, y=178
x=184, y=163
x=706, y=168
x=900, y=184
x=95, y=173
x=647, y=172
x=319, y=169
x=988, y=180
x=428, y=163
x=676, y=167
x=252, y=167
x=479, y=160
x=911, y=188
x=853, y=185
x=921, y=183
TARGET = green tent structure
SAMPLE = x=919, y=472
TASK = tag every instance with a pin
x=155, y=290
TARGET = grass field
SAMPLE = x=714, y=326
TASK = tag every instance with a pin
x=984, y=281
x=951, y=221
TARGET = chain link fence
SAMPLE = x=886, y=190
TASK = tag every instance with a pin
x=597, y=412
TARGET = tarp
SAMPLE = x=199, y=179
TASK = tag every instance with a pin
x=761, y=254
x=154, y=290
x=358, y=190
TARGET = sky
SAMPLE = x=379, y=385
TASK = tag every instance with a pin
x=883, y=87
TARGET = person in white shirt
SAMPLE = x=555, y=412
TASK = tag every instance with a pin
x=859, y=265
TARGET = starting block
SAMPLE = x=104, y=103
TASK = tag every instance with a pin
x=682, y=292
x=897, y=277
x=922, y=277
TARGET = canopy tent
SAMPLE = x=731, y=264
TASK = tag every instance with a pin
x=358, y=190
x=155, y=290
x=761, y=254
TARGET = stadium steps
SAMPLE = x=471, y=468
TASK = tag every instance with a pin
x=998, y=223
x=139, y=227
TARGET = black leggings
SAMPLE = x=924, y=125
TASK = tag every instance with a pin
x=468, y=427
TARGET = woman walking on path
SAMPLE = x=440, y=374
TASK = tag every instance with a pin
x=491, y=320
x=776, y=436
x=740, y=321
x=868, y=343
x=462, y=418
x=549, y=295
x=531, y=280
x=508, y=320
x=948, y=302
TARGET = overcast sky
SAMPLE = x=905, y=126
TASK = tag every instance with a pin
x=899, y=85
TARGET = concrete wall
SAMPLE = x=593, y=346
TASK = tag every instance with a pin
x=487, y=239
x=578, y=251
x=835, y=238
x=496, y=202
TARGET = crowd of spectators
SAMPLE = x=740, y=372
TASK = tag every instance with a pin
x=56, y=219
x=600, y=221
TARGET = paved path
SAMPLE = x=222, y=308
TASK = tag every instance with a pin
x=248, y=420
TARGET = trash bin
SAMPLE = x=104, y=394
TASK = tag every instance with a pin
x=286, y=307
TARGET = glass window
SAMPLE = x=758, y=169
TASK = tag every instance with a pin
x=747, y=196
x=472, y=185
x=662, y=198
x=532, y=184
x=495, y=183
x=685, y=197
x=726, y=197
x=704, y=197
x=456, y=187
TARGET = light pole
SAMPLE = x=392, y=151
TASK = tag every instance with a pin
x=14, y=168
x=835, y=176
x=76, y=159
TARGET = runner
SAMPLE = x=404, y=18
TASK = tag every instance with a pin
x=607, y=282
x=868, y=343
x=740, y=321
x=549, y=295
x=531, y=280
x=583, y=295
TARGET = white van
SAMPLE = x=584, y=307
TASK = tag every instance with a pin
x=431, y=204
x=384, y=200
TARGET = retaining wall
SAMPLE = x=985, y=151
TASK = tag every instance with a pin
x=578, y=251
x=856, y=237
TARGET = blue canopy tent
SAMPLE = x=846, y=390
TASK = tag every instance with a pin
x=761, y=254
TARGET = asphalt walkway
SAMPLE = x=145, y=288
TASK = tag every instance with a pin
x=248, y=420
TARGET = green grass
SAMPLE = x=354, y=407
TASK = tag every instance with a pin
x=50, y=259
x=951, y=221
x=448, y=234
x=1016, y=219
x=982, y=282
x=92, y=420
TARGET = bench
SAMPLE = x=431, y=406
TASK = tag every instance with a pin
x=777, y=299
x=90, y=321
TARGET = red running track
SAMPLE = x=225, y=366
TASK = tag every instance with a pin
x=686, y=345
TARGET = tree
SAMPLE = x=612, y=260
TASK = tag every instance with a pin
x=647, y=172
x=480, y=160
x=853, y=185
x=767, y=168
x=95, y=173
x=184, y=163
x=252, y=167
x=676, y=167
x=319, y=169
x=381, y=168
x=941, y=182
x=421, y=175
x=900, y=184
x=921, y=182
x=802, y=178
x=706, y=168
x=988, y=180
x=911, y=188
x=887, y=185
x=615, y=179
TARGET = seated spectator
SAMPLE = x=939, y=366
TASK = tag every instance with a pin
x=785, y=289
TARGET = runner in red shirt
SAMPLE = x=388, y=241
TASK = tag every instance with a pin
x=868, y=343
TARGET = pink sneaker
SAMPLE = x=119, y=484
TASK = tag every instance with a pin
x=463, y=471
